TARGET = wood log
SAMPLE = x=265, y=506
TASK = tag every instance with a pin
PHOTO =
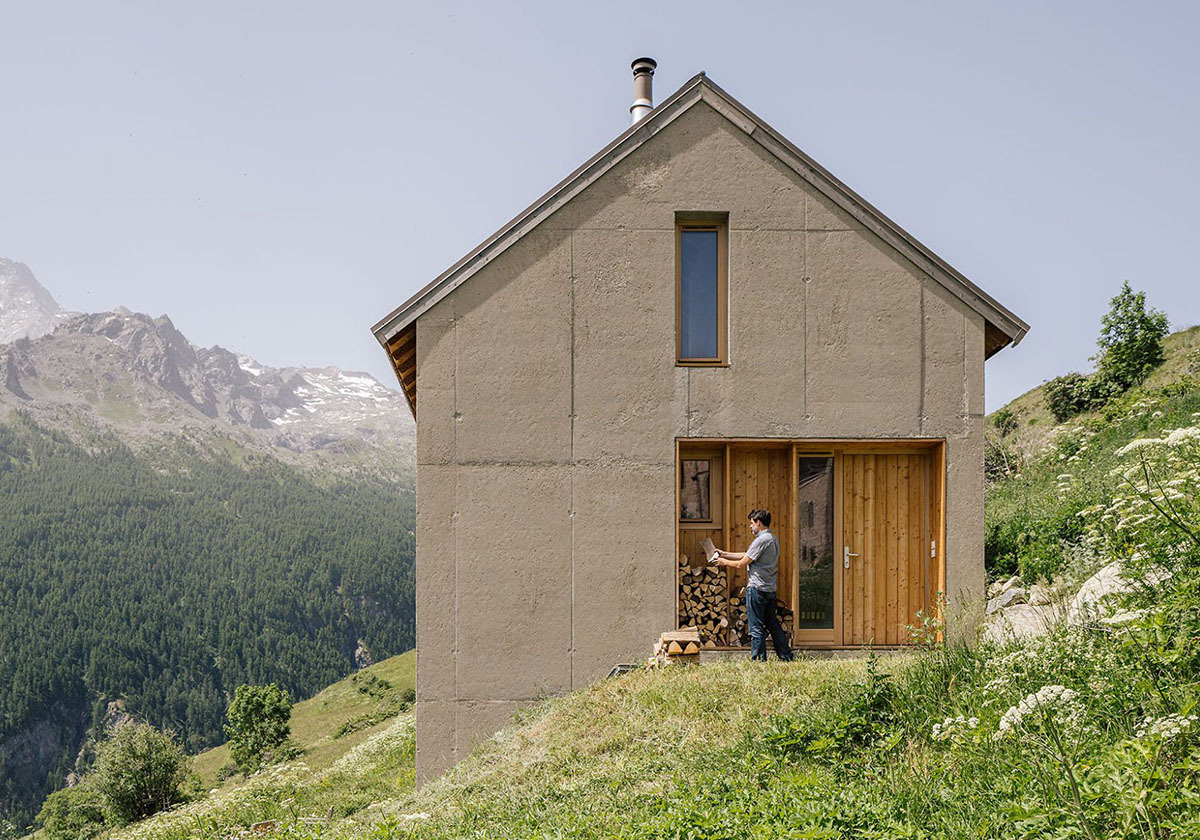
x=683, y=634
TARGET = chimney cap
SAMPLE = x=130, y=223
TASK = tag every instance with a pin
x=643, y=83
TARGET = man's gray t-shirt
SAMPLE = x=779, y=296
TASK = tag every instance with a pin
x=764, y=562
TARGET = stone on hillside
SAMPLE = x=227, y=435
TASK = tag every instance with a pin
x=1000, y=586
x=1008, y=598
x=1040, y=596
x=1091, y=598
x=1020, y=621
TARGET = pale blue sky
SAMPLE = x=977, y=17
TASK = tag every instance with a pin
x=278, y=176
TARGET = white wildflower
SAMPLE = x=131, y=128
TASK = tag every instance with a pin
x=1048, y=700
x=1179, y=437
x=1167, y=727
x=1138, y=443
x=953, y=728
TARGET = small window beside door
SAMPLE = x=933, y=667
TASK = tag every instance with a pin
x=701, y=291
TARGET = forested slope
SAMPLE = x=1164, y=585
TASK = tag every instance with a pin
x=166, y=580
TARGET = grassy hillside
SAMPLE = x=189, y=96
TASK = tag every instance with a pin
x=584, y=761
x=341, y=717
x=1036, y=426
x=1059, y=470
x=927, y=745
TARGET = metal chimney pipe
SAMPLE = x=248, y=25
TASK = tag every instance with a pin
x=643, y=94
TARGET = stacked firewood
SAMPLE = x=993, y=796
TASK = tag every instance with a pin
x=677, y=646
x=741, y=630
x=737, y=612
x=704, y=601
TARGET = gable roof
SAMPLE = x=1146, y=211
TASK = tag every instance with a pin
x=397, y=334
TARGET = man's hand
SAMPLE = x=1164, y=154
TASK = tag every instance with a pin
x=732, y=559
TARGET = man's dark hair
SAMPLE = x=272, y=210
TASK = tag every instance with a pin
x=761, y=516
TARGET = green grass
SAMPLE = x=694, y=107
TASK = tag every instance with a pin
x=358, y=699
x=589, y=758
x=737, y=749
x=598, y=755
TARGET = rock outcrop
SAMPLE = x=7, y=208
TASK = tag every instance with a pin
x=1016, y=613
x=27, y=310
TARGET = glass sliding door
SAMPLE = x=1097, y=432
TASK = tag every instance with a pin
x=815, y=608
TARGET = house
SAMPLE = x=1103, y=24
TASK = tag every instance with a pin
x=698, y=321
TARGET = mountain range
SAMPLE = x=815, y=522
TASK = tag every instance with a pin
x=140, y=377
x=177, y=520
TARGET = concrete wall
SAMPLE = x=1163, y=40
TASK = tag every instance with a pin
x=549, y=404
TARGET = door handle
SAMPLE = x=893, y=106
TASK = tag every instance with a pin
x=846, y=555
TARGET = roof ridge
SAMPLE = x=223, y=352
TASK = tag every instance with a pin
x=690, y=92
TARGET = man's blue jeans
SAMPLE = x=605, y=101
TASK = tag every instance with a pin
x=761, y=618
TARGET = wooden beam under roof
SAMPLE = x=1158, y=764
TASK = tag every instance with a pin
x=402, y=349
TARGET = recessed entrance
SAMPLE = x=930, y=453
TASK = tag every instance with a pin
x=859, y=525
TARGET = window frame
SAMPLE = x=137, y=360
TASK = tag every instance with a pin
x=718, y=222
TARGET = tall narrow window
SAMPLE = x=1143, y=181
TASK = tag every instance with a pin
x=701, y=293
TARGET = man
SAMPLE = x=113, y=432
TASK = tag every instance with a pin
x=762, y=561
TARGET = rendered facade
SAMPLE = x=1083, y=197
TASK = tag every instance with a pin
x=552, y=413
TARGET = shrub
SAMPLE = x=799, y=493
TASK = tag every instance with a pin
x=1005, y=422
x=139, y=771
x=1131, y=340
x=999, y=459
x=259, y=721
x=74, y=813
x=1071, y=394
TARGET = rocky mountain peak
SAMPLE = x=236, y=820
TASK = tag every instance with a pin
x=27, y=310
x=140, y=375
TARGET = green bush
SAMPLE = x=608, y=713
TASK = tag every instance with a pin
x=139, y=771
x=1005, y=422
x=259, y=721
x=1032, y=547
x=1072, y=394
x=1000, y=459
x=371, y=685
x=74, y=813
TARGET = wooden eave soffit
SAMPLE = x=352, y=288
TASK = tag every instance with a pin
x=402, y=350
x=994, y=340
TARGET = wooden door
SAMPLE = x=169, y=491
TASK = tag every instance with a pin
x=886, y=545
